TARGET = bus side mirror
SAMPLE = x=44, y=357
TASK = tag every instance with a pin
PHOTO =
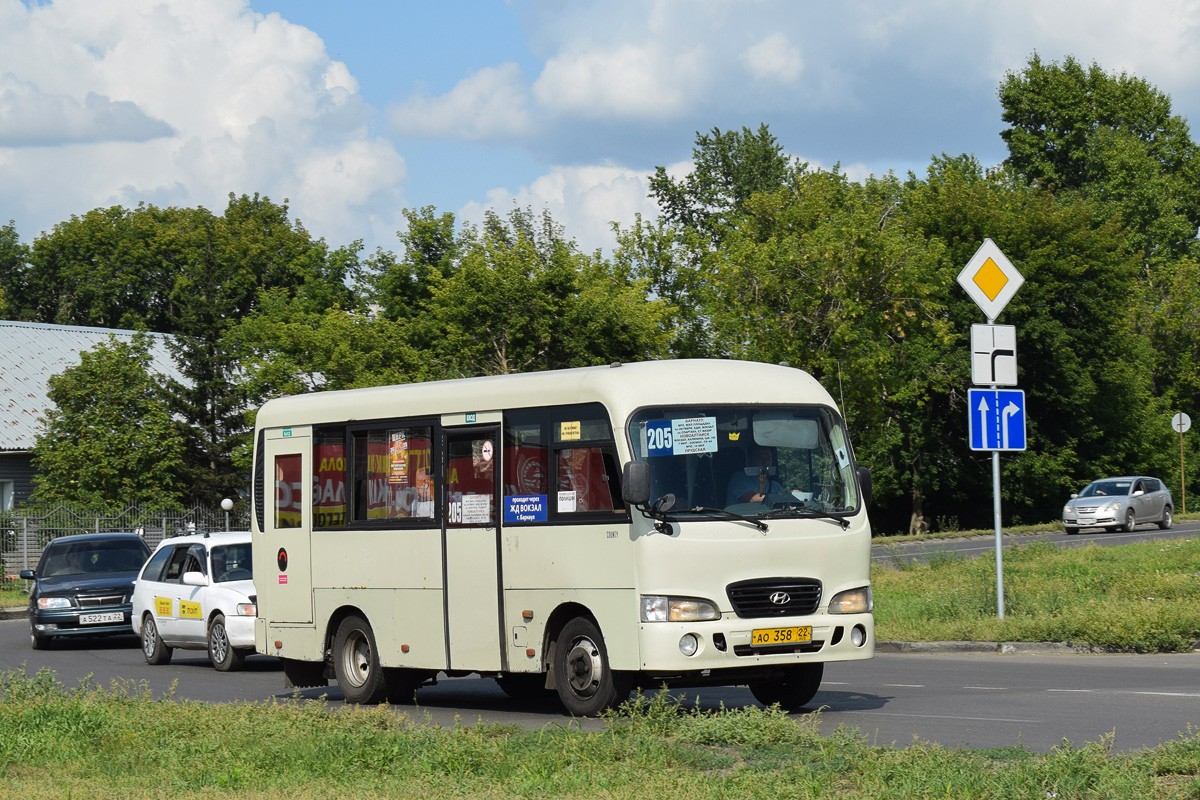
x=635, y=483
x=864, y=485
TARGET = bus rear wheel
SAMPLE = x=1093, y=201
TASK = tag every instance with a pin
x=794, y=690
x=584, y=679
x=356, y=663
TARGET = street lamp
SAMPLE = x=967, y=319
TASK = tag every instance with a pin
x=226, y=504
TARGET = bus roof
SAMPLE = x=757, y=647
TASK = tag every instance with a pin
x=622, y=388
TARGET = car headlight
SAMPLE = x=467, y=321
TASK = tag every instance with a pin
x=1066, y=509
x=659, y=608
x=247, y=610
x=852, y=601
x=53, y=602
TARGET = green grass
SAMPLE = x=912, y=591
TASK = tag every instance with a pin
x=119, y=742
x=1137, y=597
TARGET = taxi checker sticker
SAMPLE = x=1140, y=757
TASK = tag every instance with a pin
x=189, y=610
x=162, y=606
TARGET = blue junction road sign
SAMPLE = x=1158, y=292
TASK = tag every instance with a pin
x=996, y=419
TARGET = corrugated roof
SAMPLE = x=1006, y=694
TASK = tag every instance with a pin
x=31, y=353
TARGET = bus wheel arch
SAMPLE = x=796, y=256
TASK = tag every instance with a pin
x=356, y=665
x=581, y=671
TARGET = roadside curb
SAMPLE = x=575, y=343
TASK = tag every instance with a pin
x=13, y=613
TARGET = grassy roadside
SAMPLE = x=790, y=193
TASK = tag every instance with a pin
x=1135, y=598
x=119, y=742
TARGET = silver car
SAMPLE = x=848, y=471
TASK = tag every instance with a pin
x=1119, y=504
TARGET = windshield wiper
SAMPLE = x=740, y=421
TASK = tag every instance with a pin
x=805, y=511
x=762, y=526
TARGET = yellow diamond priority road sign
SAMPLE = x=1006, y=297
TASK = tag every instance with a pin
x=990, y=279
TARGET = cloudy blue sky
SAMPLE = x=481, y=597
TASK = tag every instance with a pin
x=354, y=110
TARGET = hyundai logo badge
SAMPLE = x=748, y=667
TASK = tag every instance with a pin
x=781, y=598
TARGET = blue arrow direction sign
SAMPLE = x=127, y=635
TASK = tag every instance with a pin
x=996, y=419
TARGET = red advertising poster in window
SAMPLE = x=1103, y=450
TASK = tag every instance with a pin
x=329, y=484
x=288, y=491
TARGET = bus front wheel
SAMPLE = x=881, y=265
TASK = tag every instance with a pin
x=356, y=663
x=584, y=679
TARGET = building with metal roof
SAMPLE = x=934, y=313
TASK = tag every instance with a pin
x=33, y=353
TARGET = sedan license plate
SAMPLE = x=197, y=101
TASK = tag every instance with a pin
x=100, y=619
x=769, y=636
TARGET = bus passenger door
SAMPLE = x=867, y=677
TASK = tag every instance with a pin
x=282, y=568
x=472, y=547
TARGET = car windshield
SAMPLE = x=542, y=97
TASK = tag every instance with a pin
x=85, y=558
x=747, y=459
x=231, y=562
x=1106, y=489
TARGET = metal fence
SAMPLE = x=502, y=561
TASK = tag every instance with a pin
x=24, y=535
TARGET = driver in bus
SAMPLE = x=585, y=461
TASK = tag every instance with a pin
x=755, y=482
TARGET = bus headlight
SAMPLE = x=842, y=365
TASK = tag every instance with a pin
x=659, y=608
x=852, y=601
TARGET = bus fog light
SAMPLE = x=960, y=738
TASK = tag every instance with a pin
x=689, y=644
x=858, y=636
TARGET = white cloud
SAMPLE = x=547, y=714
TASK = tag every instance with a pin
x=774, y=58
x=492, y=103
x=585, y=200
x=629, y=80
x=30, y=117
x=177, y=102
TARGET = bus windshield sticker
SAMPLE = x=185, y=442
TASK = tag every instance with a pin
x=525, y=508
x=681, y=437
x=566, y=502
x=570, y=431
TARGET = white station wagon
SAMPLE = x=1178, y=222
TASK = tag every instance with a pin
x=197, y=593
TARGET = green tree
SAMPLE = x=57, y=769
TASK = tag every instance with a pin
x=1112, y=137
x=523, y=298
x=13, y=259
x=1085, y=372
x=222, y=267
x=122, y=451
x=728, y=169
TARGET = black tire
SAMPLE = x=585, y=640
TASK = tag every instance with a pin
x=1130, y=520
x=524, y=686
x=583, y=677
x=38, y=642
x=356, y=663
x=794, y=690
x=153, y=648
x=1167, y=519
x=1071, y=530
x=220, y=652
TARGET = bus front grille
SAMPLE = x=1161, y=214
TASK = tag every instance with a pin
x=774, y=597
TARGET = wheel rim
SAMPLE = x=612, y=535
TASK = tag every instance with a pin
x=356, y=659
x=149, y=638
x=1130, y=520
x=219, y=643
x=584, y=667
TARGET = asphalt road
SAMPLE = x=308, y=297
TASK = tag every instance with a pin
x=978, y=700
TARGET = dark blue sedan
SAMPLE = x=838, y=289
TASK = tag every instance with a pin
x=82, y=586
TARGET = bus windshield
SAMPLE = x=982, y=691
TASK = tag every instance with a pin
x=746, y=459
